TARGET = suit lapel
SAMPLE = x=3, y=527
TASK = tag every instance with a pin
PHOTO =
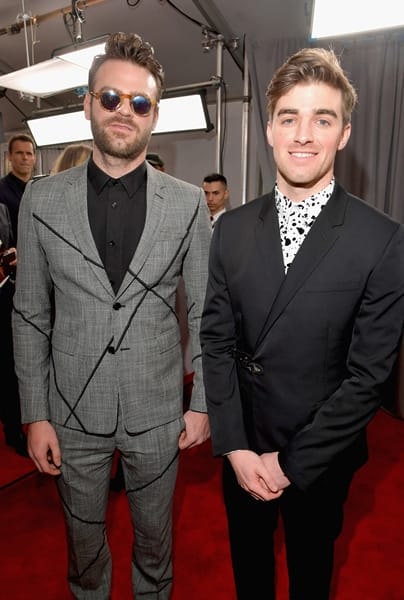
x=320, y=239
x=264, y=271
x=156, y=210
x=76, y=206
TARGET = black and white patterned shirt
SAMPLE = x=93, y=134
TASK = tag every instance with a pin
x=296, y=218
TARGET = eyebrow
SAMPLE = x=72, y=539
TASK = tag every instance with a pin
x=318, y=111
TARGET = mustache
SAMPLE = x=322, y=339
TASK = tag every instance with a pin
x=119, y=120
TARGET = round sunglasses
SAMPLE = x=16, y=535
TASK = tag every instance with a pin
x=112, y=100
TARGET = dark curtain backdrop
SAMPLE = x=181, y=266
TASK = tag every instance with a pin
x=372, y=165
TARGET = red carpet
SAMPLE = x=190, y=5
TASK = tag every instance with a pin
x=369, y=554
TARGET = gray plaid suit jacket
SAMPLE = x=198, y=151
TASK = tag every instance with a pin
x=81, y=350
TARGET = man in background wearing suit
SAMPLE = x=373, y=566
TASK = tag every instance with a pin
x=301, y=326
x=102, y=247
x=216, y=193
x=21, y=155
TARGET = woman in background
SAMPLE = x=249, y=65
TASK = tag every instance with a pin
x=71, y=156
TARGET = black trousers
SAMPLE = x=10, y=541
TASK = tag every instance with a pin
x=312, y=521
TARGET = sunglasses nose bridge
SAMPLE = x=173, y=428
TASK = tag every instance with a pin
x=125, y=103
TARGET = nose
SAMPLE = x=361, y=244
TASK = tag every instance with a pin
x=303, y=133
x=125, y=106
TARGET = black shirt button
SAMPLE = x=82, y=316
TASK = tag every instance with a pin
x=117, y=306
x=111, y=243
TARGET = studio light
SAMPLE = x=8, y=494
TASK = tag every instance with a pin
x=360, y=16
x=64, y=71
x=187, y=112
x=61, y=128
x=183, y=113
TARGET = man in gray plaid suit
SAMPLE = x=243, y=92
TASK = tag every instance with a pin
x=97, y=342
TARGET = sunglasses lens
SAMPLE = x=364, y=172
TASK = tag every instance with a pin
x=110, y=100
x=141, y=105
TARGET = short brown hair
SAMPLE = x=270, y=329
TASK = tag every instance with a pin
x=131, y=48
x=20, y=137
x=312, y=65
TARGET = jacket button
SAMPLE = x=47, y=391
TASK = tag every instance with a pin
x=117, y=306
x=111, y=349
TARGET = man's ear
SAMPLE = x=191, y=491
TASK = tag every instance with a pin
x=346, y=134
x=155, y=116
x=87, y=106
x=269, y=133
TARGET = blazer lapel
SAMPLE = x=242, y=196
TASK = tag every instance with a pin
x=76, y=206
x=320, y=239
x=266, y=265
x=155, y=215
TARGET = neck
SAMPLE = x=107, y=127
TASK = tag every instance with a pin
x=297, y=193
x=217, y=211
x=114, y=166
x=24, y=178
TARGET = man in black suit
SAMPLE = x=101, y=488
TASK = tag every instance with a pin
x=302, y=321
x=21, y=156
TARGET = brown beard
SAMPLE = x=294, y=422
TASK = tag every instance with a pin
x=114, y=145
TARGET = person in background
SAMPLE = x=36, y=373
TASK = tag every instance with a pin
x=156, y=161
x=72, y=156
x=217, y=195
x=8, y=259
x=303, y=317
x=21, y=157
x=105, y=244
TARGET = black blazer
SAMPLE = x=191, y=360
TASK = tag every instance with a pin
x=295, y=363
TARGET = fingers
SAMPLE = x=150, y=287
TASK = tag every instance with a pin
x=48, y=463
x=259, y=488
x=182, y=440
x=53, y=459
x=265, y=495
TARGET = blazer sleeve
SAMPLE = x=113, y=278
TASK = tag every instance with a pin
x=218, y=338
x=195, y=272
x=32, y=316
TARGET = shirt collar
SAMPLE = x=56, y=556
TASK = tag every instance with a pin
x=131, y=181
x=215, y=217
x=312, y=204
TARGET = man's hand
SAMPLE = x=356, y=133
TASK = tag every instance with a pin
x=271, y=462
x=253, y=475
x=43, y=447
x=196, y=430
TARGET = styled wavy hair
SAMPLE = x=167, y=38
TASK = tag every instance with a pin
x=129, y=47
x=310, y=65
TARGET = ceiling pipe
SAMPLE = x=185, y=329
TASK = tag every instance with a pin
x=15, y=28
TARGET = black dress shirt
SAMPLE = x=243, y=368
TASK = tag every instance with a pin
x=117, y=213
